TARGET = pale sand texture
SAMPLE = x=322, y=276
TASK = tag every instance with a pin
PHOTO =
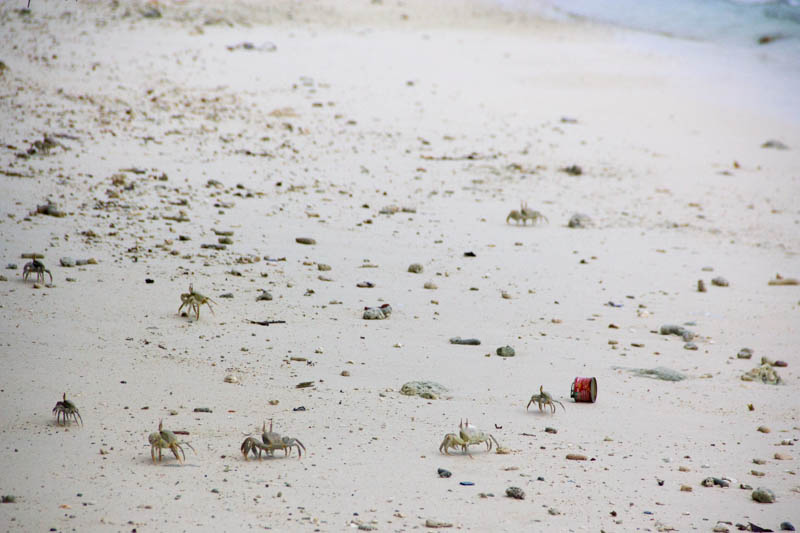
x=658, y=121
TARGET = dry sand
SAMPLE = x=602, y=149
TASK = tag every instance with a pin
x=338, y=111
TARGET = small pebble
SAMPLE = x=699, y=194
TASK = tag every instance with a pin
x=783, y=457
x=719, y=281
x=373, y=313
x=708, y=482
x=345, y=373
x=690, y=346
x=430, y=285
x=763, y=495
x=701, y=286
x=745, y=353
x=759, y=461
x=468, y=342
x=304, y=385
x=764, y=429
x=202, y=410
x=230, y=378
x=516, y=493
x=430, y=522
x=576, y=457
x=553, y=511
x=787, y=526
x=550, y=430
x=686, y=488
x=506, y=351
x=757, y=473
x=444, y=473
x=67, y=262
x=322, y=267
x=415, y=268
x=305, y=240
x=264, y=296
x=466, y=483
x=579, y=221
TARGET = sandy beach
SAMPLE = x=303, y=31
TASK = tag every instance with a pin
x=150, y=146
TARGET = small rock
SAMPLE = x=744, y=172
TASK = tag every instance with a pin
x=230, y=378
x=763, y=429
x=304, y=385
x=469, y=342
x=580, y=221
x=430, y=285
x=745, y=486
x=672, y=329
x=783, y=457
x=226, y=295
x=550, y=430
x=763, y=495
x=757, y=473
x=67, y=262
x=202, y=410
x=444, y=473
x=572, y=170
x=322, y=267
x=764, y=373
x=506, y=351
x=708, y=482
x=553, y=511
x=690, y=346
x=345, y=373
x=719, y=281
x=787, y=526
x=3, y=278
x=701, y=285
x=774, y=143
x=466, y=483
x=686, y=488
x=745, y=353
x=516, y=493
x=576, y=457
x=759, y=461
x=415, y=268
x=425, y=389
x=265, y=296
x=365, y=285
x=430, y=522
x=305, y=240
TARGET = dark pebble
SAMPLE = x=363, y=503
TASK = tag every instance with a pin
x=540, y=478
x=516, y=493
x=444, y=473
x=466, y=483
x=301, y=408
x=787, y=526
x=469, y=254
x=148, y=280
x=202, y=410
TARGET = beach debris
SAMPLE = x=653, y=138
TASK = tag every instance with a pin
x=266, y=322
x=230, y=378
x=415, y=268
x=524, y=215
x=572, y=170
x=764, y=373
x=377, y=313
x=719, y=281
x=744, y=353
x=203, y=410
x=365, y=285
x=576, y=457
x=194, y=300
x=429, y=390
x=468, y=435
x=305, y=240
x=660, y=372
x=433, y=524
x=506, y=351
x=701, y=285
x=304, y=385
x=516, y=493
x=65, y=409
x=38, y=268
x=780, y=280
x=544, y=399
x=773, y=143
x=163, y=438
x=680, y=331
x=763, y=495
x=579, y=221
x=468, y=342
x=444, y=472
x=265, y=296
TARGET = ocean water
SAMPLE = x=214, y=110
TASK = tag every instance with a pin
x=741, y=22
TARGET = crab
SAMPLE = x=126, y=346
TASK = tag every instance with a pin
x=37, y=267
x=543, y=399
x=271, y=441
x=468, y=435
x=65, y=409
x=194, y=300
x=524, y=214
x=163, y=438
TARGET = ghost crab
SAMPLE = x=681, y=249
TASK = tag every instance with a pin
x=65, y=409
x=271, y=441
x=37, y=267
x=163, y=438
x=543, y=399
x=194, y=300
x=468, y=435
x=524, y=214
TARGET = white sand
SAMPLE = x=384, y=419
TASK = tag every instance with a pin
x=378, y=101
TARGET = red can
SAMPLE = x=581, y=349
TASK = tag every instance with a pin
x=584, y=390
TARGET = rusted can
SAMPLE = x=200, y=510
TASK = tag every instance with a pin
x=584, y=390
